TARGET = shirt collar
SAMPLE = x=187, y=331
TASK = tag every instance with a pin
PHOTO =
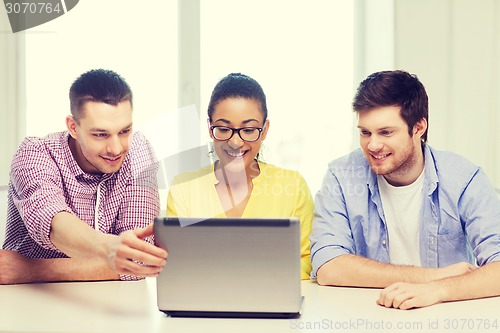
x=430, y=177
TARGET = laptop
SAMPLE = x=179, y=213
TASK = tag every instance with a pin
x=229, y=267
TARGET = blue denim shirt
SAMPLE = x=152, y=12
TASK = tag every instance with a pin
x=460, y=213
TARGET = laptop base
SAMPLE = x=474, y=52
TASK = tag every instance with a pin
x=217, y=314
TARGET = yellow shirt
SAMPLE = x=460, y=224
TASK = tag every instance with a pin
x=276, y=192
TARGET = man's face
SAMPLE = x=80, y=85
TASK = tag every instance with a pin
x=387, y=145
x=101, y=137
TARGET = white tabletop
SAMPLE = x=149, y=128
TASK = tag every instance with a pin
x=131, y=307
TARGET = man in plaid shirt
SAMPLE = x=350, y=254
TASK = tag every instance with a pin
x=81, y=202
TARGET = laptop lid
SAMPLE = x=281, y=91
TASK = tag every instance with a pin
x=229, y=267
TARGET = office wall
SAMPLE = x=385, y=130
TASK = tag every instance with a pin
x=11, y=95
x=454, y=48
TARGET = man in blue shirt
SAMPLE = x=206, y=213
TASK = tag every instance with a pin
x=399, y=215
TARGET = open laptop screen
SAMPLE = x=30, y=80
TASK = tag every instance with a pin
x=229, y=267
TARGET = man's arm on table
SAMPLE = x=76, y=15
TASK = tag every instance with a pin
x=483, y=282
x=16, y=268
x=351, y=270
x=480, y=208
x=78, y=240
x=94, y=256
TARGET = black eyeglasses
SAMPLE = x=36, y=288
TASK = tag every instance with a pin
x=248, y=134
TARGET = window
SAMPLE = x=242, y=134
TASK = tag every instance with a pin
x=138, y=40
x=301, y=52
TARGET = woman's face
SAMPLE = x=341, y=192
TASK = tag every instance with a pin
x=235, y=154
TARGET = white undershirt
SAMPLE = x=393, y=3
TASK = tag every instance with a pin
x=402, y=209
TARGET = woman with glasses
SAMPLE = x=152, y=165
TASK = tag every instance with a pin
x=238, y=184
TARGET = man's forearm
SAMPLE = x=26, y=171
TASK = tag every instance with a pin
x=70, y=269
x=483, y=282
x=355, y=271
x=16, y=268
x=75, y=238
x=127, y=253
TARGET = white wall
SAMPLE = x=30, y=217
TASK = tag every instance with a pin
x=12, y=98
x=454, y=48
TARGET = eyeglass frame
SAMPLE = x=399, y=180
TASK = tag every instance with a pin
x=237, y=130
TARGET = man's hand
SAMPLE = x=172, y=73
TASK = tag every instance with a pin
x=402, y=295
x=15, y=268
x=127, y=251
x=454, y=270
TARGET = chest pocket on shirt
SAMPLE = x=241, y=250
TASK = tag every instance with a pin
x=451, y=231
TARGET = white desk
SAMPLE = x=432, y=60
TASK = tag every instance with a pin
x=131, y=307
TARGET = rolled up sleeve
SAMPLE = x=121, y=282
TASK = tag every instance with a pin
x=331, y=234
x=482, y=218
x=36, y=190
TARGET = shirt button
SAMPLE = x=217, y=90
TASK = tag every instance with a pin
x=384, y=242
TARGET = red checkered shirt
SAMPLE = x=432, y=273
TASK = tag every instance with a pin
x=45, y=180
